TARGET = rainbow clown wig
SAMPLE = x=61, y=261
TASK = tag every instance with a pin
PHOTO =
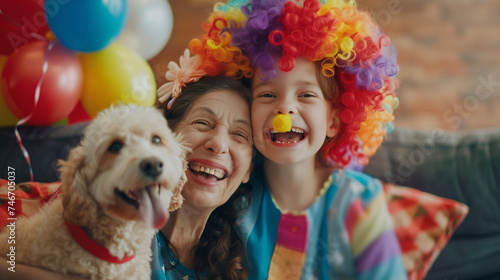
x=346, y=43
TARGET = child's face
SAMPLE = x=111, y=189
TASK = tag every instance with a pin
x=297, y=93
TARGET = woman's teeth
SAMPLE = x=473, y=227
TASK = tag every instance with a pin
x=218, y=173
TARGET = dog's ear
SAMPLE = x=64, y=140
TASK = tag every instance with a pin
x=177, y=198
x=78, y=206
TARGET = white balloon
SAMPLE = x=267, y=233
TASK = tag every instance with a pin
x=149, y=26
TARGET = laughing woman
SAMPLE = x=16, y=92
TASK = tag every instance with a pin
x=198, y=241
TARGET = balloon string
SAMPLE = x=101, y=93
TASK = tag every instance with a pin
x=28, y=117
x=34, y=35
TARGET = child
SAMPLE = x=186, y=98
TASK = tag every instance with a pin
x=303, y=219
x=327, y=69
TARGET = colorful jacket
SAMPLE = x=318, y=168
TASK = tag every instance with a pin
x=347, y=233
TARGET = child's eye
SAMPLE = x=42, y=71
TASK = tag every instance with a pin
x=307, y=94
x=266, y=95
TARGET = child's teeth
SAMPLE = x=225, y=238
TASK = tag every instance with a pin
x=297, y=130
x=279, y=142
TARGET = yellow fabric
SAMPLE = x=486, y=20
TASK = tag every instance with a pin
x=286, y=264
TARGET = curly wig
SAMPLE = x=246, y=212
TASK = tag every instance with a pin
x=347, y=44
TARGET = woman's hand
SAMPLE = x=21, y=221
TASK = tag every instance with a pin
x=30, y=272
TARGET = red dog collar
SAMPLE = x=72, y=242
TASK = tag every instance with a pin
x=91, y=246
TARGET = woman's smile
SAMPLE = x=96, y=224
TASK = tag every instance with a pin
x=206, y=172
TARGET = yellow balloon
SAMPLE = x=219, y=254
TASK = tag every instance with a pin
x=115, y=75
x=6, y=117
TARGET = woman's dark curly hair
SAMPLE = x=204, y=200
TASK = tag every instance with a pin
x=219, y=253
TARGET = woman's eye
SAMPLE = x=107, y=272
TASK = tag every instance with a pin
x=115, y=147
x=202, y=125
x=156, y=140
x=242, y=136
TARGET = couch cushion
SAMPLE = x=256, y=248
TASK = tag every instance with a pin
x=28, y=198
x=44, y=144
x=461, y=166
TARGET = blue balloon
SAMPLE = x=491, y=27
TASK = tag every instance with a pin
x=86, y=25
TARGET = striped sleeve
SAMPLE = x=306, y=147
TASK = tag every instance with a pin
x=374, y=244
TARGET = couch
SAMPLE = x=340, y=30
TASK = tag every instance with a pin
x=464, y=167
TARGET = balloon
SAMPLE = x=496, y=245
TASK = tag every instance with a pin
x=116, y=75
x=78, y=114
x=148, y=28
x=6, y=117
x=18, y=21
x=86, y=25
x=60, y=88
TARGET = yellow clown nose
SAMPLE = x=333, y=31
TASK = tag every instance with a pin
x=282, y=123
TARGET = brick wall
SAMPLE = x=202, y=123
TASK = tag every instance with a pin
x=449, y=57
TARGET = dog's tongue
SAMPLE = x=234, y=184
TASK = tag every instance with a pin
x=153, y=213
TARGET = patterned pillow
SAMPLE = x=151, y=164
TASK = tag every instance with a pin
x=423, y=223
x=25, y=199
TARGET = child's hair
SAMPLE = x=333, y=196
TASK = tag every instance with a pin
x=356, y=63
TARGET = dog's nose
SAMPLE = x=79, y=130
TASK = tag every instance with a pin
x=152, y=167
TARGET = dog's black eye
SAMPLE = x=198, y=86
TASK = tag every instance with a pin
x=156, y=140
x=115, y=147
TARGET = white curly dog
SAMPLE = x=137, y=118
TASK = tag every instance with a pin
x=117, y=186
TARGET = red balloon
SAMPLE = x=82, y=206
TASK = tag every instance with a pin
x=18, y=20
x=60, y=89
x=78, y=115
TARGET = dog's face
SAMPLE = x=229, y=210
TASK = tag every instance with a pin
x=133, y=165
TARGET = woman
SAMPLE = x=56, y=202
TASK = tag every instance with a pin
x=198, y=240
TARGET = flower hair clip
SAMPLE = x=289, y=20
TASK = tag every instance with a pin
x=179, y=76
